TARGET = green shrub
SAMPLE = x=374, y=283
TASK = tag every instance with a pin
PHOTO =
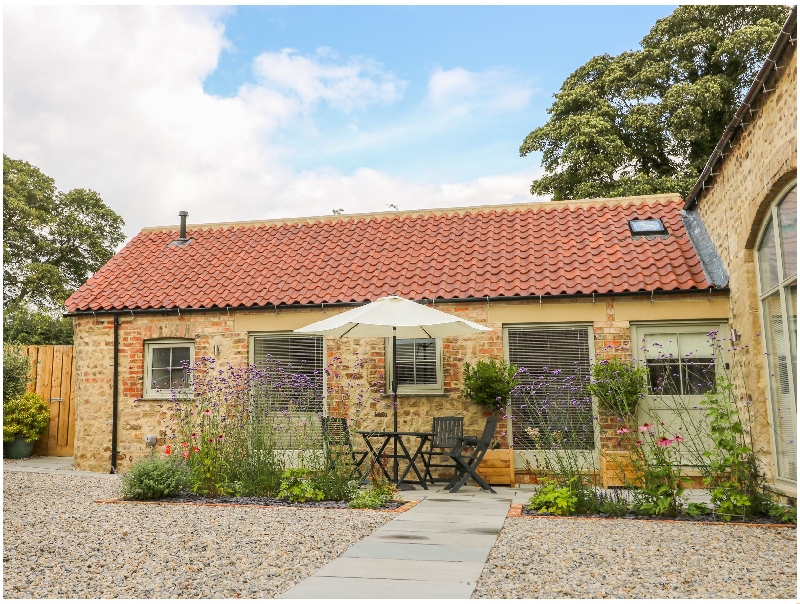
x=489, y=383
x=618, y=384
x=26, y=415
x=784, y=514
x=16, y=366
x=298, y=485
x=373, y=497
x=612, y=504
x=154, y=478
x=697, y=509
x=553, y=499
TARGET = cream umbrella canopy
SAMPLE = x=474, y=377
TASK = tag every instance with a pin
x=393, y=317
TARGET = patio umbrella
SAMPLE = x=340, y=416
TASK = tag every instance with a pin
x=393, y=317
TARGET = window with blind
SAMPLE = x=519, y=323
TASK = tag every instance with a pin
x=291, y=392
x=551, y=408
x=165, y=363
x=776, y=260
x=419, y=365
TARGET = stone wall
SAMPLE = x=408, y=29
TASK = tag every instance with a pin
x=355, y=363
x=758, y=164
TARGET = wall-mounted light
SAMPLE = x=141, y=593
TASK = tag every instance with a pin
x=151, y=440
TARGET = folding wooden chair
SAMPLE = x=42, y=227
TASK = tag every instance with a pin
x=338, y=443
x=446, y=430
x=467, y=463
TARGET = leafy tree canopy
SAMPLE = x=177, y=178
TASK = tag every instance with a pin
x=647, y=121
x=52, y=242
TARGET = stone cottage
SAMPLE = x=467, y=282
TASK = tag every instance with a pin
x=560, y=283
x=747, y=196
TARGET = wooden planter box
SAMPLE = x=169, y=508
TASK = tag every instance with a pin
x=497, y=467
x=617, y=470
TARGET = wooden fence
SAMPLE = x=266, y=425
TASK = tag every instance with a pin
x=53, y=378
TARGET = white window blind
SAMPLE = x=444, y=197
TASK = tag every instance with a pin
x=292, y=393
x=552, y=405
x=416, y=362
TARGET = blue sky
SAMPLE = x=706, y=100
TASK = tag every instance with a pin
x=536, y=45
x=247, y=113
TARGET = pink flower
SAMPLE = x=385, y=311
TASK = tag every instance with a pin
x=194, y=435
x=207, y=412
x=186, y=454
x=185, y=445
x=645, y=427
x=639, y=443
x=623, y=430
x=663, y=442
x=196, y=449
x=220, y=437
x=677, y=439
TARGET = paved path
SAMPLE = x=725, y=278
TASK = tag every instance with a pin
x=435, y=550
x=45, y=465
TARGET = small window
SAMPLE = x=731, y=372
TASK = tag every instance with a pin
x=651, y=226
x=166, y=367
x=419, y=365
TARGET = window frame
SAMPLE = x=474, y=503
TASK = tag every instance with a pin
x=529, y=455
x=148, y=391
x=419, y=389
x=781, y=288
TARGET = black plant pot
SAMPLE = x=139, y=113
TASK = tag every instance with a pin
x=19, y=448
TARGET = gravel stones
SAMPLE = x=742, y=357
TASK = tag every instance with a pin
x=576, y=558
x=57, y=543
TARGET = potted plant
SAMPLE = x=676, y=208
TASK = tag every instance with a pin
x=489, y=383
x=618, y=385
x=25, y=418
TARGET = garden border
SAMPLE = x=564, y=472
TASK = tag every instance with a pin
x=515, y=511
x=403, y=508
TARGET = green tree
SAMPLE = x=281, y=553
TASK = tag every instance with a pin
x=646, y=121
x=52, y=242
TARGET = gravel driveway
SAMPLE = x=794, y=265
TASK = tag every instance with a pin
x=574, y=558
x=57, y=543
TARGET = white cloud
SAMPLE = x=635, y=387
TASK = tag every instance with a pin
x=496, y=89
x=355, y=84
x=111, y=98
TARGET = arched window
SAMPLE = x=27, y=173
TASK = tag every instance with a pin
x=777, y=289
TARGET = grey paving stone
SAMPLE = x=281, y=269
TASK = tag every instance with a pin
x=430, y=538
x=412, y=570
x=347, y=588
x=417, y=551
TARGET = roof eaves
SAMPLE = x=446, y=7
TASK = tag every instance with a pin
x=785, y=37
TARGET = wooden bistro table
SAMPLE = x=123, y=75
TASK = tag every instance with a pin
x=399, y=452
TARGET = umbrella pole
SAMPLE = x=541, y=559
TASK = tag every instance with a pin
x=394, y=396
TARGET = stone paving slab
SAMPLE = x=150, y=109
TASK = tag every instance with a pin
x=425, y=526
x=417, y=551
x=349, y=588
x=468, y=539
x=413, y=570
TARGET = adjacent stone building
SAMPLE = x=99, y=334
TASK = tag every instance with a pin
x=747, y=198
x=562, y=284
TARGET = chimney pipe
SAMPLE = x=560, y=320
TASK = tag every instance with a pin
x=183, y=214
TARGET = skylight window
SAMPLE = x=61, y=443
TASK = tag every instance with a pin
x=651, y=226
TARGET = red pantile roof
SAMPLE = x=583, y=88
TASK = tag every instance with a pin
x=532, y=249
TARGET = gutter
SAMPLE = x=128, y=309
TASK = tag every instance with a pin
x=785, y=37
x=322, y=305
x=115, y=397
